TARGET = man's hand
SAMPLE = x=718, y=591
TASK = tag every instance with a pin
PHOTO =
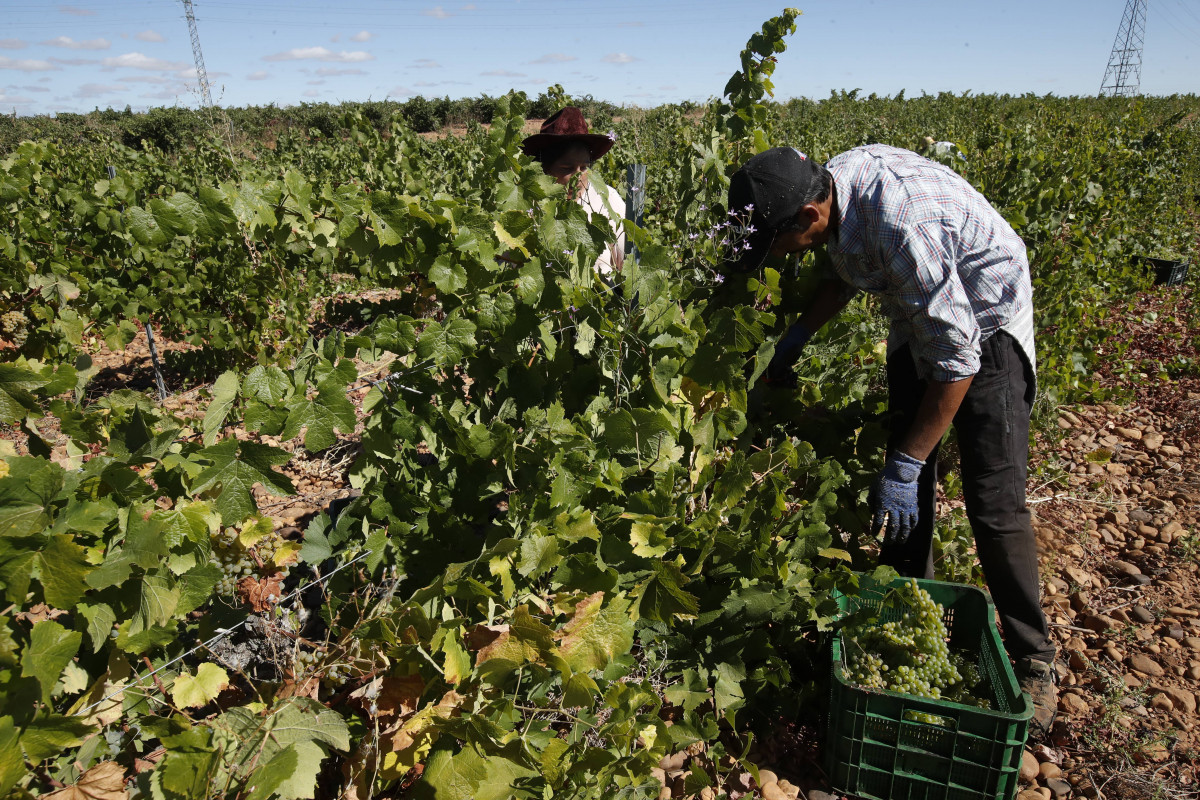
x=780, y=371
x=893, y=498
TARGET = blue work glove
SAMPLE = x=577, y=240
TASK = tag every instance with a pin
x=780, y=371
x=893, y=498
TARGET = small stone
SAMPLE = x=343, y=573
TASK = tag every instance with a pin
x=1182, y=699
x=771, y=791
x=817, y=794
x=1192, y=642
x=1048, y=770
x=1131, y=680
x=673, y=762
x=793, y=792
x=1072, y=705
x=1141, y=614
x=1059, y=787
x=1099, y=623
x=1155, y=752
x=1160, y=702
x=1145, y=665
x=1078, y=661
x=1152, y=441
x=1029, y=768
x=1025, y=794
x=1043, y=793
x=766, y=776
x=1132, y=434
x=1180, y=611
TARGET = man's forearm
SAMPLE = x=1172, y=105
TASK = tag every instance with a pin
x=829, y=299
x=934, y=415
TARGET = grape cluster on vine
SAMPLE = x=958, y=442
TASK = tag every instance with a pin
x=910, y=653
x=14, y=327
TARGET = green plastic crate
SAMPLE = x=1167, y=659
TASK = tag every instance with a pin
x=877, y=750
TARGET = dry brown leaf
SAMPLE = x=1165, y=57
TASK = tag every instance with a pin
x=39, y=612
x=258, y=592
x=309, y=687
x=105, y=781
x=481, y=636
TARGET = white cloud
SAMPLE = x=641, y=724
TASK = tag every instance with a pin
x=618, y=58
x=25, y=64
x=73, y=62
x=425, y=63
x=630, y=24
x=143, y=79
x=149, y=36
x=553, y=58
x=320, y=54
x=140, y=61
x=76, y=12
x=312, y=93
x=71, y=44
x=504, y=73
x=13, y=99
x=260, y=75
x=668, y=88
x=400, y=91
x=12, y=44
x=470, y=7
x=165, y=94
x=317, y=82
x=330, y=72
x=362, y=36
x=88, y=90
x=437, y=12
x=36, y=88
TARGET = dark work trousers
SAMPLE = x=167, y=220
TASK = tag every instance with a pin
x=993, y=437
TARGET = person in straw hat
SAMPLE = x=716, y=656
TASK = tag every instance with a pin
x=566, y=150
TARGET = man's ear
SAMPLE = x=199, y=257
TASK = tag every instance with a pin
x=807, y=215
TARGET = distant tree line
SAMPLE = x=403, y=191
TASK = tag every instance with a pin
x=172, y=128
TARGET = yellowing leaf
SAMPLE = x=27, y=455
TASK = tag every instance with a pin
x=596, y=634
x=255, y=530
x=649, y=540
x=193, y=692
x=411, y=743
x=834, y=552
x=287, y=553
x=458, y=662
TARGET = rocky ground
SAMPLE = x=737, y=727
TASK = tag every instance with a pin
x=1116, y=503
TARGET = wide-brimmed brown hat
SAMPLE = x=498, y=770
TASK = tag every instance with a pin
x=567, y=125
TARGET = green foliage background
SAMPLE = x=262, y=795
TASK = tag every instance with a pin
x=579, y=518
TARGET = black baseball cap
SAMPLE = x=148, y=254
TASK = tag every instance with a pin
x=772, y=185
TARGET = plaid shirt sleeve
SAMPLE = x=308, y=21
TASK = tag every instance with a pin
x=927, y=292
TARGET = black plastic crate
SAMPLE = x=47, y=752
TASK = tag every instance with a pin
x=1166, y=271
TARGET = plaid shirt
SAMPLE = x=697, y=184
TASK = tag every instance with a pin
x=947, y=268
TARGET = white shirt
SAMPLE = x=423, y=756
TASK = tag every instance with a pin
x=614, y=209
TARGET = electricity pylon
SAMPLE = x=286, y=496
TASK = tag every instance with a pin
x=201, y=72
x=1123, y=77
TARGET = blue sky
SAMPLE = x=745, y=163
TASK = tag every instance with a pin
x=113, y=53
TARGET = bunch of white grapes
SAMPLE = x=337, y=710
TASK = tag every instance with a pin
x=14, y=327
x=233, y=559
x=910, y=654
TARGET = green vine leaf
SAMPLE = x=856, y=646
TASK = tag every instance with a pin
x=236, y=467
